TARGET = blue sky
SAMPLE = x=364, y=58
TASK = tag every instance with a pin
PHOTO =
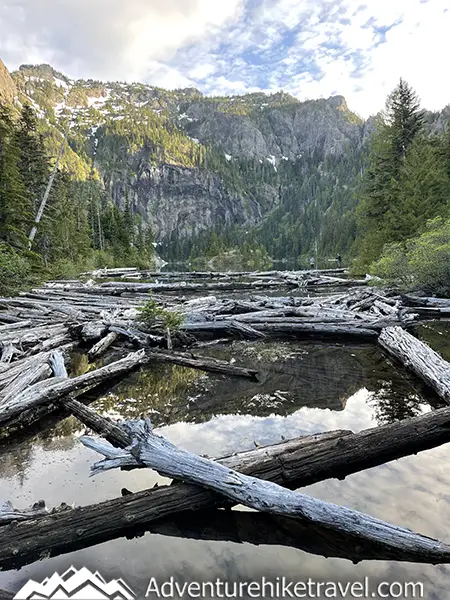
x=310, y=48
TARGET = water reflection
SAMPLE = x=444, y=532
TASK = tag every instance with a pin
x=293, y=376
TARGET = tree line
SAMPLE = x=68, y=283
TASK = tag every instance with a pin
x=81, y=227
x=403, y=217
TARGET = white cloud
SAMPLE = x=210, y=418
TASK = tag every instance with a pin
x=413, y=49
x=107, y=38
x=202, y=71
x=310, y=48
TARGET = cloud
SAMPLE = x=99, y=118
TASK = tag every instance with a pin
x=107, y=38
x=310, y=48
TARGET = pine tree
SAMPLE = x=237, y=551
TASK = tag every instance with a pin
x=381, y=201
x=15, y=208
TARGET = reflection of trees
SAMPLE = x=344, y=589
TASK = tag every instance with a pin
x=159, y=391
x=389, y=406
x=436, y=335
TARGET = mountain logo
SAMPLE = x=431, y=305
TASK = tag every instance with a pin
x=76, y=585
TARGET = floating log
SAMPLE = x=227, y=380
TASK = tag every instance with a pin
x=38, y=372
x=419, y=358
x=295, y=463
x=8, y=513
x=158, y=453
x=319, y=330
x=410, y=300
x=48, y=391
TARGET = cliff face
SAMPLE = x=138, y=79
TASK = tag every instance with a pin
x=7, y=87
x=184, y=200
x=285, y=132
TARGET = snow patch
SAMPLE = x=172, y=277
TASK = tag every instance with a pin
x=185, y=116
x=273, y=161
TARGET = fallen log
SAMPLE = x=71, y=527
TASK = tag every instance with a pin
x=47, y=391
x=102, y=346
x=208, y=364
x=293, y=464
x=158, y=453
x=38, y=372
x=9, y=514
x=233, y=328
x=316, y=330
x=419, y=358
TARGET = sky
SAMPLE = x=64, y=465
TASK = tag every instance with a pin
x=309, y=48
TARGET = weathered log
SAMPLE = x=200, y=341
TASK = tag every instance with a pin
x=232, y=328
x=410, y=300
x=93, y=331
x=102, y=346
x=292, y=464
x=158, y=453
x=39, y=372
x=316, y=330
x=50, y=390
x=419, y=358
x=202, y=363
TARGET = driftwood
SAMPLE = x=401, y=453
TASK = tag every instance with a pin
x=292, y=464
x=419, y=358
x=157, y=453
x=211, y=365
x=102, y=346
x=8, y=513
x=48, y=391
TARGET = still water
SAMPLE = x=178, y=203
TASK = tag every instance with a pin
x=305, y=387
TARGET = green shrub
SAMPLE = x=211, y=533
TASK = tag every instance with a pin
x=421, y=263
x=151, y=313
x=15, y=271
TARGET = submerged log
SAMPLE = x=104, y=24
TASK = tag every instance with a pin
x=211, y=365
x=419, y=358
x=292, y=464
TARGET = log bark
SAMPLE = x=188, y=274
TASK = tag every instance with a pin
x=419, y=358
x=292, y=464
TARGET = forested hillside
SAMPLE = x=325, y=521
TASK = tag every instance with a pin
x=196, y=177
x=254, y=170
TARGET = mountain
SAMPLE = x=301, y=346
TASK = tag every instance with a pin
x=210, y=171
